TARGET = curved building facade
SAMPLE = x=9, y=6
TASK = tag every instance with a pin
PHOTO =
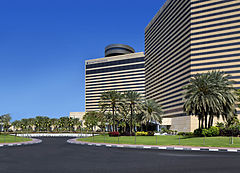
x=121, y=71
x=185, y=38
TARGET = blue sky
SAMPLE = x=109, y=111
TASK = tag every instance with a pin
x=44, y=43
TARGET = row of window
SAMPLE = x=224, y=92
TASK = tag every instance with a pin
x=216, y=46
x=111, y=75
x=141, y=78
x=174, y=105
x=216, y=24
x=171, y=31
x=176, y=77
x=215, y=41
x=215, y=19
x=97, y=94
x=215, y=68
x=212, y=3
x=174, y=69
x=182, y=54
x=216, y=51
x=173, y=101
x=91, y=100
x=214, y=14
x=169, y=89
x=127, y=83
x=217, y=57
x=168, y=98
x=216, y=62
x=162, y=88
x=168, y=42
x=128, y=67
x=165, y=14
x=127, y=88
x=208, y=31
x=117, y=62
x=216, y=8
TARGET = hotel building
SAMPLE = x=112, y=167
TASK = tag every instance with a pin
x=121, y=69
x=185, y=38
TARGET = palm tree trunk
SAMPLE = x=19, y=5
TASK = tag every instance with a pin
x=205, y=121
x=212, y=120
x=113, y=111
x=199, y=122
x=131, y=118
x=202, y=122
x=209, y=121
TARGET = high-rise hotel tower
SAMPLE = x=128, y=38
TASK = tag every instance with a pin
x=184, y=38
x=121, y=69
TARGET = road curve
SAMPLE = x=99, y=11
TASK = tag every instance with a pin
x=55, y=155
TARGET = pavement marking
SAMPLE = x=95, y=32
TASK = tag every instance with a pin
x=178, y=148
x=146, y=147
x=232, y=150
x=73, y=141
x=196, y=149
x=120, y=146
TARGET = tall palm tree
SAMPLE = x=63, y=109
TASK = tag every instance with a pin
x=208, y=95
x=109, y=101
x=124, y=113
x=132, y=98
x=151, y=111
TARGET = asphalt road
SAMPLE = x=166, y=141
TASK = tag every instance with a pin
x=55, y=155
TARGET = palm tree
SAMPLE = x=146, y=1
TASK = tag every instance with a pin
x=151, y=111
x=209, y=94
x=124, y=113
x=63, y=123
x=16, y=124
x=5, y=120
x=109, y=101
x=132, y=98
x=53, y=122
x=31, y=122
x=91, y=119
x=24, y=124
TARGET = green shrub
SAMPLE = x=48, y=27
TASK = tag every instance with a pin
x=181, y=133
x=186, y=133
x=197, y=132
x=213, y=131
x=204, y=132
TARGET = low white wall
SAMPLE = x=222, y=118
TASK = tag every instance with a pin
x=54, y=135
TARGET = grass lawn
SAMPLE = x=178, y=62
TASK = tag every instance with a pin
x=12, y=139
x=167, y=140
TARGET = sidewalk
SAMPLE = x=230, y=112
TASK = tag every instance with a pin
x=157, y=147
x=34, y=141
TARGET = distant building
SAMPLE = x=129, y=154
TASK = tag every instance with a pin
x=78, y=115
x=185, y=38
x=121, y=69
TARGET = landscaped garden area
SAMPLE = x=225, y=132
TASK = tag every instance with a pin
x=130, y=118
x=217, y=141
x=5, y=138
